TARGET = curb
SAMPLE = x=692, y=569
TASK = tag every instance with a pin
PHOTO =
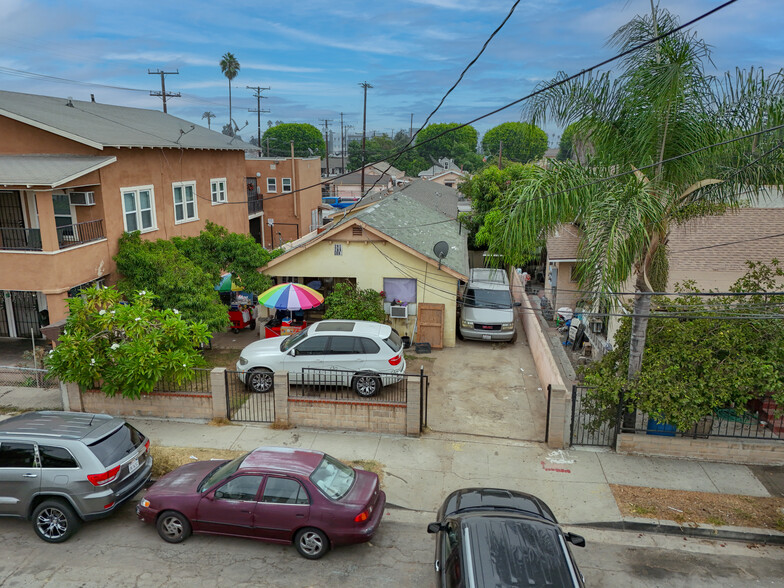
x=673, y=528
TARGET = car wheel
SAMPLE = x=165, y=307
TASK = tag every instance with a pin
x=311, y=543
x=235, y=331
x=514, y=338
x=260, y=380
x=173, y=527
x=252, y=324
x=366, y=384
x=55, y=521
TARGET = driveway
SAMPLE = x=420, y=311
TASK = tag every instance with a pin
x=481, y=388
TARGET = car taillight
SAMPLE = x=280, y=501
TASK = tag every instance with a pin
x=395, y=360
x=104, y=478
x=147, y=445
x=363, y=516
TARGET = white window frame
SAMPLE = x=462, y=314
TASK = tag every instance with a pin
x=283, y=182
x=135, y=190
x=218, y=194
x=185, y=218
x=273, y=182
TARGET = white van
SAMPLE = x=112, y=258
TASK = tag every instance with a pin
x=487, y=310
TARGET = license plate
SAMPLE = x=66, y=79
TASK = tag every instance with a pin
x=486, y=337
x=133, y=466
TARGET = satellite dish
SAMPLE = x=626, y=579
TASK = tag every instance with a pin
x=441, y=249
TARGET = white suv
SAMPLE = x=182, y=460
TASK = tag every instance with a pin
x=365, y=355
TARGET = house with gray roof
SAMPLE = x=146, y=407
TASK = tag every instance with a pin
x=75, y=175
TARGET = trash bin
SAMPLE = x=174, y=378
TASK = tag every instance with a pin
x=663, y=429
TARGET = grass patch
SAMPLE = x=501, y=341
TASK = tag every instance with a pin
x=225, y=358
x=220, y=422
x=696, y=508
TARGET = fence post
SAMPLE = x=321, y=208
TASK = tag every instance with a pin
x=280, y=391
x=413, y=413
x=218, y=387
x=559, y=419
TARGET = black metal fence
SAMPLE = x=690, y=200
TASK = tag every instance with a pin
x=16, y=238
x=78, y=233
x=342, y=384
x=200, y=384
x=242, y=404
x=588, y=428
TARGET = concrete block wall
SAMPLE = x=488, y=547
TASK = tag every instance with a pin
x=347, y=415
x=725, y=450
x=157, y=404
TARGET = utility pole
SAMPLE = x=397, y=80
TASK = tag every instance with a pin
x=257, y=93
x=365, y=86
x=342, y=147
x=326, y=122
x=500, y=152
x=411, y=127
x=163, y=93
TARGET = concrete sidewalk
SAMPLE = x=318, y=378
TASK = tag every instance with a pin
x=419, y=473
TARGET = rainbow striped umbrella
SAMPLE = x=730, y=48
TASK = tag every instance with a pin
x=291, y=297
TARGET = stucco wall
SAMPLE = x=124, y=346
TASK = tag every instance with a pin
x=369, y=263
x=746, y=451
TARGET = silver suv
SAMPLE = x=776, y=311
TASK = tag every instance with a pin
x=58, y=469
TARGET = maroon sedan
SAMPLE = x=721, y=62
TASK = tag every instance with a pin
x=272, y=494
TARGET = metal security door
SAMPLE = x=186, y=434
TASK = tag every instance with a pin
x=4, y=332
x=26, y=317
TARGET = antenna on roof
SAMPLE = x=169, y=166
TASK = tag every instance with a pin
x=441, y=249
x=70, y=102
x=184, y=133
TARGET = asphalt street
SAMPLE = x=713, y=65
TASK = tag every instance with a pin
x=121, y=551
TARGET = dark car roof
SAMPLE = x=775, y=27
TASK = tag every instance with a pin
x=61, y=425
x=516, y=550
x=495, y=499
x=286, y=460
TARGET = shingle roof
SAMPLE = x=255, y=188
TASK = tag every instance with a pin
x=563, y=244
x=355, y=179
x=724, y=243
x=104, y=125
x=47, y=170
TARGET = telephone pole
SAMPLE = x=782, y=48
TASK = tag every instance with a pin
x=257, y=93
x=342, y=147
x=163, y=93
x=411, y=128
x=326, y=122
x=365, y=86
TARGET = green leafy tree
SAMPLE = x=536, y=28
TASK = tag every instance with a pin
x=522, y=142
x=230, y=68
x=459, y=145
x=701, y=363
x=384, y=148
x=349, y=302
x=126, y=347
x=646, y=119
x=177, y=281
x=566, y=144
x=308, y=140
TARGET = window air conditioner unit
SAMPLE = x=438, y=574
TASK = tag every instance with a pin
x=597, y=326
x=399, y=312
x=82, y=198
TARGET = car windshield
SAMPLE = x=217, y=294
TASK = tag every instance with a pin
x=220, y=473
x=333, y=478
x=292, y=340
x=488, y=298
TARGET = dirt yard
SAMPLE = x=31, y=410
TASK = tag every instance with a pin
x=700, y=508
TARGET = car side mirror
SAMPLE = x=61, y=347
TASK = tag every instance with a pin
x=434, y=527
x=293, y=353
x=518, y=303
x=576, y=540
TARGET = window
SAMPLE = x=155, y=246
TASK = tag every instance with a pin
x=62, y=216
x=272, y=185
x=138, y=209
x=218, y=190
x=56, y=457
x=17, y=455
x=369, y=346
x=240, y=488
x=400, y=289
x=345, y=346
x=184, y=202
x=284, y=491
x=313, y=346
x=117, y=445
x=285, y=184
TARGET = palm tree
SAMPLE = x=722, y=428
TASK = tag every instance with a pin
x=209, y=116
x=230, y=67
x=661, y=105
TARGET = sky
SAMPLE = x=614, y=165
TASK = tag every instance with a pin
x=313, y=54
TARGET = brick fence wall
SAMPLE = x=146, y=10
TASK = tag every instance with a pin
x=743, y=451
x=157, y=404
x=368, y=417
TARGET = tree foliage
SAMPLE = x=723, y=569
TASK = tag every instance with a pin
x=385, y=148
x=522, y=142
x=125, y=346
x=459, y=144
x=351, y=303
x=230, y=67
x=566, y=144
x=703, y=362
x=306, y=138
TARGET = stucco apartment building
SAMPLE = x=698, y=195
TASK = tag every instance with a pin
x=75, y=175
x=284, y=198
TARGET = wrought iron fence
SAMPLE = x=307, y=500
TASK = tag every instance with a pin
x=587, y=428
x=78, y=233
x=342, y=385
x=200, y=384
x=20, y=239
x=242, y=404
x=735, y=423
x=27, y=377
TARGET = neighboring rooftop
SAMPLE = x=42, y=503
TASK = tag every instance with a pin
x=104, y=125
x=48, y=170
